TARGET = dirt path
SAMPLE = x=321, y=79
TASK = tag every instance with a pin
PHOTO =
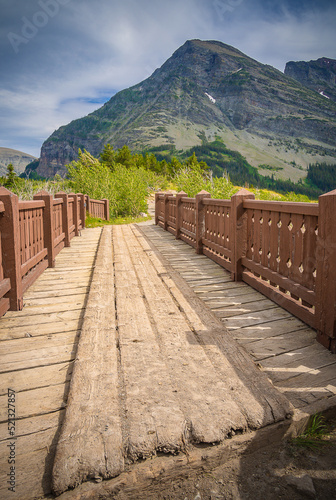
x=272, y=473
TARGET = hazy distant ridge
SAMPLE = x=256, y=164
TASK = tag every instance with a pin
x=19, y=160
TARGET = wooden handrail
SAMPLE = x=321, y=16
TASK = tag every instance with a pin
x=286, y=250
x=31, y=204
x=32, y=233
x=283, y=206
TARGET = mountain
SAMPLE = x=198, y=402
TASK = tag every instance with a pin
x=319, y=75
x=207, y=89
x=17, y=158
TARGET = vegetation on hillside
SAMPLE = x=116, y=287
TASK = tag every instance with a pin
x=26, y=188
x=323, y=176
x=127, y=178
x=231, y=164
x=124, y=185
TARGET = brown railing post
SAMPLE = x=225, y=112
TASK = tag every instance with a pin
x=238, y=231
x=200, y=219
x=166, y=210
x=106, y=208
x=10, y=231
x=48, y=224
x=76, y=214
x=87, y=204
x=81, y=197
x=326, y=272
x=65, y=217
x=179, y=214
x=157, y=210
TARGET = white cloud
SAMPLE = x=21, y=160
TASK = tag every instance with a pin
x=90, y=49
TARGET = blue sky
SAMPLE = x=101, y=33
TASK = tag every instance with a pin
x=61, y=59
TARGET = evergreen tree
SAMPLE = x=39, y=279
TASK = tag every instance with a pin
x=108, y=156
x=124, y=157
x=11, y=176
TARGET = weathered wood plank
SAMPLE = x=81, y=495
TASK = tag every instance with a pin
x=59, y=284
x=40, y=342
x=326, y=376
x=186, y=359
x=55, y=301
x=36, y=401
x=51, y=294
x=154, y=420
x=273, y=346
x=35, y=308
x=64, y=276
x=33, y=465
x=306, y=360
x=64, y=315
x=240, y=308
x=256, y=318
x=91, y=439
x=230, y=288
x=39, y=357
x=310, y=355
x=223, y=354
x=254, y=333
x=33, y=378
x=32, y=425
x=18, y=331
x=224, y=291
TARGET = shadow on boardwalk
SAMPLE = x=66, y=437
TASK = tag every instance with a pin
x=161, y=389
x=185, y=386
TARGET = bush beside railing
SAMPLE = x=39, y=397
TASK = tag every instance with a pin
x=285, y=250
x=32, y=233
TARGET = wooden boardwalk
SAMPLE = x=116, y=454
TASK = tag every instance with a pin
x=38, y=348
x=283, y=346
x=157, y=370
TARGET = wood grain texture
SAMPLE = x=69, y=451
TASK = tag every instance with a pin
x=37, y=350
x=269, y=334
x=91, y=437
x=169, y=375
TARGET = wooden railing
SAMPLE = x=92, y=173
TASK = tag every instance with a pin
x=97, y=208
x=287, y=251
x=4, y=282
x=32, y=233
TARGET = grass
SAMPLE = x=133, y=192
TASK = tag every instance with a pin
x=97, y=222
x=313, y=436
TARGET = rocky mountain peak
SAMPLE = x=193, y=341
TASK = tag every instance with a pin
x=206, y=88
x=318, y=75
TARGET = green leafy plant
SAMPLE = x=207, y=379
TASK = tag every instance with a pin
x=126, y=185
x=313, y=434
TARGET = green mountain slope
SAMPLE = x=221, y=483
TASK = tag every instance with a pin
x=208, y=89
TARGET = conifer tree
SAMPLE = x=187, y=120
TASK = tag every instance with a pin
x=11, y=176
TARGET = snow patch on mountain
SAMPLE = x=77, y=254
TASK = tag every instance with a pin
x=212, y=99
x=322, y=93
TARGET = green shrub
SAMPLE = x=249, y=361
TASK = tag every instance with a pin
x=126, y=187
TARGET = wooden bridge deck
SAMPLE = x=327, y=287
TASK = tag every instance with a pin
x=156, y=370
x=283, y=346
x=37, y=351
